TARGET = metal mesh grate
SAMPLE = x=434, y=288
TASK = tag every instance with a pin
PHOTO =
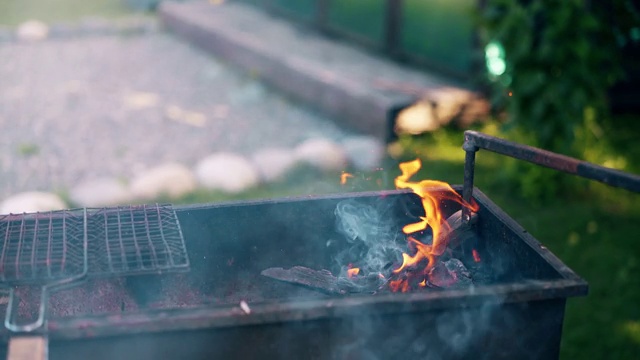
x=135, y=239
x=42, y=247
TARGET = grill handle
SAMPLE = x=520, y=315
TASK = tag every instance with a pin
x=12, y=315
x=474, y=141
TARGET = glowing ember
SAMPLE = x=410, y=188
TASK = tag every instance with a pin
x=343, y=178
x=419, y=268
x=476, y=255
x=351, y=273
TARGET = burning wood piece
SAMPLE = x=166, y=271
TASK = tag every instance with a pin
x=323, y=280
x=449, y=274
x=458, y=230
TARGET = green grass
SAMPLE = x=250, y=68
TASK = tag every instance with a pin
x=13, y=12
x=28, y=149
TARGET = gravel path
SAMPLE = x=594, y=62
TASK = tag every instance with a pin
x=78, y=108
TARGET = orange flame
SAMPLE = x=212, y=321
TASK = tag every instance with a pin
x=343, y=178
x=351, y=273
x=432, y=193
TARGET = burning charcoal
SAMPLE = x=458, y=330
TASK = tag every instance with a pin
x=455, y=265
x=370, y=283
x=448, y=274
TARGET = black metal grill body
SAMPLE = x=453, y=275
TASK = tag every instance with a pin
x=518, y=313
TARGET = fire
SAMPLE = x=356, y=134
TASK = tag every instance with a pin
x=351, y=273
x=343, y=178
x=417, y=268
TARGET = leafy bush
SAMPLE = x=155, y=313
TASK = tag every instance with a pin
x=560, y=59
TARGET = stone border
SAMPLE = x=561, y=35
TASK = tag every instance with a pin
x=369, y=100
x=224, y=172
x=357, y=107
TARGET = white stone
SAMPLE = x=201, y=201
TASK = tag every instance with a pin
x=171, y=179
x=322, y=154
x=32, y=30
x=227, y=172
x=274, y=163
x=417, y=119
x=100, y=192
x=31, y=202
x=364, y=152
x=140, y=100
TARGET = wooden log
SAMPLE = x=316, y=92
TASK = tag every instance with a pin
x=459, y=230
x=323, y=280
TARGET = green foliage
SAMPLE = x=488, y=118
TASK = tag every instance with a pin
x=560, y=63
x=28, y=149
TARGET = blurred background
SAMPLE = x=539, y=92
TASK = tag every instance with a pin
x=563, y=76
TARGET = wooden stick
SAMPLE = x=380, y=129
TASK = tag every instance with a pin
x=323, y=280
x=28, y=348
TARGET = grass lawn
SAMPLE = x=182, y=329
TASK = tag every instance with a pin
x=13, y=12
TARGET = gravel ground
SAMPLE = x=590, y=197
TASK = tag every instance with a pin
x=78, y=108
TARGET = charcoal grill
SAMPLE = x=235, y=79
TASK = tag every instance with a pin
x=223, y=308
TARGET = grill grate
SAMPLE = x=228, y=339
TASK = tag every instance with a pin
x=59, y=249
x=41, y=248
x=135, y=239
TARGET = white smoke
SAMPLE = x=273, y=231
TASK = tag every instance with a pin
x=376, y=240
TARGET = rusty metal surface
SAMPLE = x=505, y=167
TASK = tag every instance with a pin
x=473, y=141
x=469, y=172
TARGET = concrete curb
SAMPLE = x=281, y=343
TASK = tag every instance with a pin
x=353, y=103
x=86, y=27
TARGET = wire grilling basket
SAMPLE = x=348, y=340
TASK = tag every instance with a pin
x=49, y=251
